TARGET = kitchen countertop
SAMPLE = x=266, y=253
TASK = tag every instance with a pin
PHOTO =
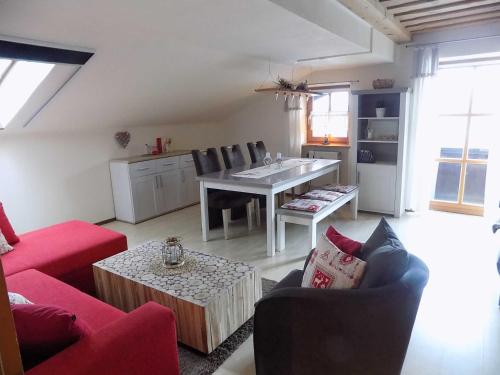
x=139, y=158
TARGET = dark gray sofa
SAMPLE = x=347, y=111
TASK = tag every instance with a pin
x=351, y=331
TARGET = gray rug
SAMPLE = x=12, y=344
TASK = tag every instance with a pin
x=193, y=362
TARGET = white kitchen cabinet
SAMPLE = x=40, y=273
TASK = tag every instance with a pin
x=168, y=191
x=189, y=187
x=143, y=189
x=377, y=187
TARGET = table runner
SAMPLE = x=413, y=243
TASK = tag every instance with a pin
x=269, y=170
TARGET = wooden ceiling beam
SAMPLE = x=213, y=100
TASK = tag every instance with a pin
x=454, y=14
x=373, y=12
x=454, y=21
x=410, y=6
x=390, y=3
x=443, y=9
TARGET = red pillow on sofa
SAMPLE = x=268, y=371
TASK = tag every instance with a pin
x=44, y=330
x=343, y=243
x=6, y=228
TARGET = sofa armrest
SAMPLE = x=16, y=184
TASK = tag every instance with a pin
x=305, y=330
x=143, y=342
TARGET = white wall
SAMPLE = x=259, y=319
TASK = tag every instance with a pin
x=263, y=118
x=46, y=178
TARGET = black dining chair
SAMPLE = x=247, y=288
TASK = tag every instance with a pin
x=221, y=200
x=233, y=157
x=257, y=151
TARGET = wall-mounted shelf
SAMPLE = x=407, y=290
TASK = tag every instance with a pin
x=378, y=118
x=376, y=141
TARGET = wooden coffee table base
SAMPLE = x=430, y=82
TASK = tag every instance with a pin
x=200, y=327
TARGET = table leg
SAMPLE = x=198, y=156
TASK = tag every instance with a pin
x=338, y=175
x=271, y=224
x=204, y=211
x=354, y=207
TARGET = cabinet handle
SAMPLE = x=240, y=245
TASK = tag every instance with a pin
x=166, y=165
x=143, y=169
x=359, y=178
x=156, y=182
x=161, y=180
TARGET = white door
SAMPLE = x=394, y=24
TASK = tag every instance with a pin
x=168, y=197
x=144, y=191
x=377, y=187
x=189, y=188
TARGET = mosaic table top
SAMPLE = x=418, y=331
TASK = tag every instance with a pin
x=205, y=276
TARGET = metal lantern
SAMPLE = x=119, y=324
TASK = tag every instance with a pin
x=173, y=252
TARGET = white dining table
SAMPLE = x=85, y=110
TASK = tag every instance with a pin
x=267, y=186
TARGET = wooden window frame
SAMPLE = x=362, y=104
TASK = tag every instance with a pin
x=332, y=140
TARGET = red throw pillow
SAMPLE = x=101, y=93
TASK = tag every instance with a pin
x=6, y=228
x=44, y=330
x=343, y=243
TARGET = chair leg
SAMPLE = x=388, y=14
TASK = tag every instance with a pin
x=293, y=193
x=250, y=215
x=256, y=204
x=312, y=235
x=281, y=234
x=226, y=217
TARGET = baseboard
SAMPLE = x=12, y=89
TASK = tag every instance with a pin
x=106, y=221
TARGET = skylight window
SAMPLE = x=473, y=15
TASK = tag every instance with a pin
x=31, y=75
x=18, y=81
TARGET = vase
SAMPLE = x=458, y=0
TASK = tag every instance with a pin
x=268, y=160
x=380, y=112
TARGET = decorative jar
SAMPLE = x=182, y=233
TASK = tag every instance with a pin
x=173, y=253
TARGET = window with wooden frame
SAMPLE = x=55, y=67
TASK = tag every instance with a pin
x=328, y=116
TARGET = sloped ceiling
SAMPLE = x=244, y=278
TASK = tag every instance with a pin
x=171, y=61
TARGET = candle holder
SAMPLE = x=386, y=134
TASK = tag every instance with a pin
x=172, y=252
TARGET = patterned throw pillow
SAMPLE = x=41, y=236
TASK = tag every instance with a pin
x=330, y=268
x=4, y=245
x=17, y=299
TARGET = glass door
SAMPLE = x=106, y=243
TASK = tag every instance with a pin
x=464, y=134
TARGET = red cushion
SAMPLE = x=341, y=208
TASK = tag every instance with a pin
x=44, y=330
x=6, y=228
x=43, y=289
x=63, y=250
x=343, y=243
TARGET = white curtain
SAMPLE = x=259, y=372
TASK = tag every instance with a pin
x=297, y=127
x=419, y=160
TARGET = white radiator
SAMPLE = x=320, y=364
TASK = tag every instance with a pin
x=329, y=178
x=324, y=155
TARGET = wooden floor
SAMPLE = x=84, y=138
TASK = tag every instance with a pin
x=458, y=325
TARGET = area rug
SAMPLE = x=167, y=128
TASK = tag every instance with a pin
x=193, y=362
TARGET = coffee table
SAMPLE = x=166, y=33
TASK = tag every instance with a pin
x=211, y=296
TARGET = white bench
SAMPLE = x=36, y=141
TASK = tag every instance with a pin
x=312, y=218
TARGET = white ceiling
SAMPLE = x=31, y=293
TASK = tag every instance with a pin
x=178, y=61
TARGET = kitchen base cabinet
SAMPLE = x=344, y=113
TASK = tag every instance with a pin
x=377, y=187
x=149, y=188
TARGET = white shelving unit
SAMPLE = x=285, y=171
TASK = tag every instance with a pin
x=381, y=184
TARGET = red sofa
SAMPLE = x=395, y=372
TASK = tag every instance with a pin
x=141, y=342
x=65, y=251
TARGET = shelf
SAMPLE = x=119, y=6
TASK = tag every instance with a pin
x=376, y=141
x=380, y=163
x=378, y=118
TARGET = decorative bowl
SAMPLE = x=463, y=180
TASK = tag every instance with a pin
x=384, y=83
